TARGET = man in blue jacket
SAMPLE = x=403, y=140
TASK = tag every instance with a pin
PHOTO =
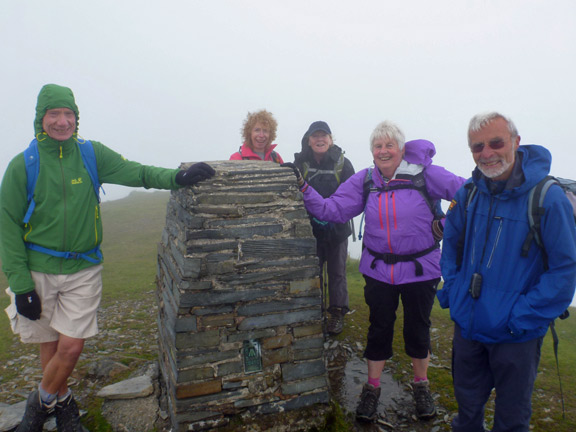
x=501, y=302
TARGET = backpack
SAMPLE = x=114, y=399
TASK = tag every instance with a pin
x=273, y=155
x=336, y=172
x=32, y=163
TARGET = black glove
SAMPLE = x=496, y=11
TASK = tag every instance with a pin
x=194, y=174
x=299, y=178
x=29, y=305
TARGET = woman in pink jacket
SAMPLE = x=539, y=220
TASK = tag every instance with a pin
x=259, y=131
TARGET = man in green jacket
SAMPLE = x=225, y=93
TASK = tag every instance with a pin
x=53, y=260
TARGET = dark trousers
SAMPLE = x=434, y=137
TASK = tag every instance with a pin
x=509, y=368
x=334, y=255
x=382, y=300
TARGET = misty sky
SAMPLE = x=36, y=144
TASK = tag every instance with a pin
x=172, y=81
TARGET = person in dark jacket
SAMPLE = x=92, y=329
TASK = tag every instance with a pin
x=53, y=261
x=324, y=167
x=400, y=255
x=502, y=303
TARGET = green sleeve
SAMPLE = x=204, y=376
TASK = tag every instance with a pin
x=13, y=206
x=115, y=169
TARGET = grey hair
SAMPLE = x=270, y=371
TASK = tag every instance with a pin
x=387, y=129
x=480, y=120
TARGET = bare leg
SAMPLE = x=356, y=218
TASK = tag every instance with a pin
x=58, y=362
x=420, y=366
x=375, y=368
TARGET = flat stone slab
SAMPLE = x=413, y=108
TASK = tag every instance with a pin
x=129, y=389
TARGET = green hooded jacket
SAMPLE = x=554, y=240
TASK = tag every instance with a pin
x=67, y=214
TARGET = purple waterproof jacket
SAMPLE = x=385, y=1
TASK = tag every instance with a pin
x=398, y=221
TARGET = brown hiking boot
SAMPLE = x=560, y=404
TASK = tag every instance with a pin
x=367, y=409
x=425, y=408
x=335, y=323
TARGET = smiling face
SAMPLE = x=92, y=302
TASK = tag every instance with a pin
x=59, y=123
x=387, y=155
x=494, y=149
x=260, y=137
x=320, y=142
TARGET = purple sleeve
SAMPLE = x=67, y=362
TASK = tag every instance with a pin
x=441, y=183
x=344, y=204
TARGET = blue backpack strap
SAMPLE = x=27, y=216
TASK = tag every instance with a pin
x=68, y=255
x=89, y=159
x=32, y=163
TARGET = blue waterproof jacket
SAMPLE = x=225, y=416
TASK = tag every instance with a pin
x=519, y=296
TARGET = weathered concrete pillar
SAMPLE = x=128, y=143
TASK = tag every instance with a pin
x=240, y=303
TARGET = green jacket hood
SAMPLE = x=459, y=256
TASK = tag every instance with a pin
x=54, y=96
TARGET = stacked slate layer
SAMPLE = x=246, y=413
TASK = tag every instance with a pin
x=237, y=264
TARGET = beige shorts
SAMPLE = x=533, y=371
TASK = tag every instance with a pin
x=69, y=306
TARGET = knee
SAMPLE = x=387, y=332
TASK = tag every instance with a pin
x=70, y=348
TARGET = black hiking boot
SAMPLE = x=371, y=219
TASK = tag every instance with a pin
x=68, y=416
x=367, y=409
x=35, y=415
x=425, y=408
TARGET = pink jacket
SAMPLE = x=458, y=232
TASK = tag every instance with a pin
x=246, y=153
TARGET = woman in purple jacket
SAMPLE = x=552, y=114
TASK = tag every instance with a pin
x=400, y=253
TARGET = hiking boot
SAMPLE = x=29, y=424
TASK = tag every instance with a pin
x=35, y=415
x=367, y=409
x=68, y=416
x=335, y=323
x=425, y=408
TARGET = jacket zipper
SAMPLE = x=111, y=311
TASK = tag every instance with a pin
x=65, y=206
x=496, y=240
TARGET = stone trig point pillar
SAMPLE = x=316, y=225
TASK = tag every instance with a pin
x=240, y=317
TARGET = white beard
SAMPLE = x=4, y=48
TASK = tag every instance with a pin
x=492, y=172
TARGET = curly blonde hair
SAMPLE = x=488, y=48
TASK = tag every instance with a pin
x=266, y=119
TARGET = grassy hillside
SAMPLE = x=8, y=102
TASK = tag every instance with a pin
x=133, y=228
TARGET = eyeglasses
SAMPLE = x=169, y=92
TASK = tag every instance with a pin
x=495, y=144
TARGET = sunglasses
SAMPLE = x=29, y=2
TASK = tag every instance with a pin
x=495, y=144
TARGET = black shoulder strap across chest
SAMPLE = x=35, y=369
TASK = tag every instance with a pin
x=416, y=182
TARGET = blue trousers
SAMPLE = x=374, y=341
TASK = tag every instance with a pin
x=509, y=368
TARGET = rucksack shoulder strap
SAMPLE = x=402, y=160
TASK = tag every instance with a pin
x=535, y=212
x=32, y=163
x=89, y=160
x=339, y=167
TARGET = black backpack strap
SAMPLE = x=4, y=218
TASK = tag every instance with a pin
x=535, y=213
x=390, y=258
